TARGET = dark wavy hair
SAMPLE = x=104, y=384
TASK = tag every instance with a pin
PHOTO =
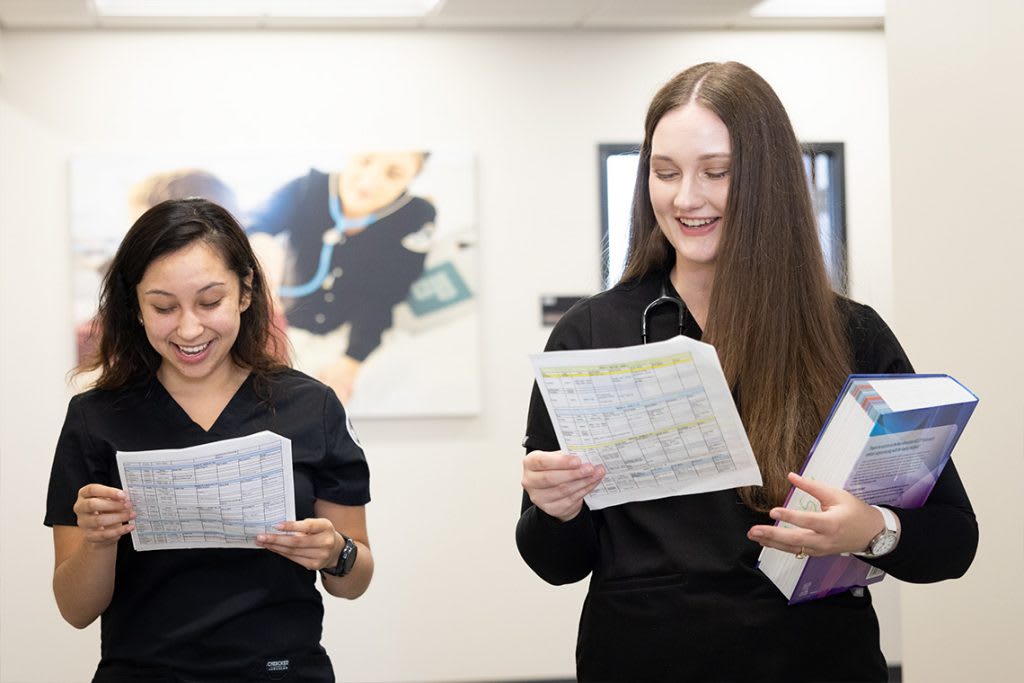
x=124, y=356
x=773, y=317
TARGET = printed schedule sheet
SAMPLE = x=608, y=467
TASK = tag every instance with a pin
x=217, y=495
x=659, y=417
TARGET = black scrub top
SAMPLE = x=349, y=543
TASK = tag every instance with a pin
x=675, y=594
x=218, y=613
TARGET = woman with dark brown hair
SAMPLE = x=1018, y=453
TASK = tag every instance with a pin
x=722, y=220
x=185, y=358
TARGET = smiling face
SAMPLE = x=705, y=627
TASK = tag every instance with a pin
x=689, y=183
x=373, y=180
x=191, y=305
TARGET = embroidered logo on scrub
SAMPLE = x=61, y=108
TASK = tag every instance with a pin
x=277, y=668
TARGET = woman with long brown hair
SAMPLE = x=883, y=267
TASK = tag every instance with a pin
x=186, y=358
x=722, y=220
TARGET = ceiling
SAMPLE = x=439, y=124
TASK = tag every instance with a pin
x=453, y=14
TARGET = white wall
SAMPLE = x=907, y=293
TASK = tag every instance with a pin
x=451, y=599
x=958, y=163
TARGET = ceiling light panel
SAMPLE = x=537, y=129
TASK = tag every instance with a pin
x=265, y=8
x=819, y=8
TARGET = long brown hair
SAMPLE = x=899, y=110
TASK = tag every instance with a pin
x=773, y=316
x=124, y=356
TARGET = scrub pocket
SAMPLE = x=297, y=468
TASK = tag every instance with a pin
x=635, y=629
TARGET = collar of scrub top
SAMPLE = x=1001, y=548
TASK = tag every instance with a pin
x=663, y=298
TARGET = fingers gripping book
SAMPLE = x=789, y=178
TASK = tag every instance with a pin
x=886, y=440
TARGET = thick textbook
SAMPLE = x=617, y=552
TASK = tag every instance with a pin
x=886, y=441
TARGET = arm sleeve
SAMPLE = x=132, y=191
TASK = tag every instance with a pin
x=343, y=476
x=73, y=467
x=558, y=552
x=938, y=540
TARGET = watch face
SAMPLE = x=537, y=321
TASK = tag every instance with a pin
x=348, y=556
x=346, y=559
x=884, y=543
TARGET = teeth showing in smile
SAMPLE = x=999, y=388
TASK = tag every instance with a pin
x=696, y=222
x=193, y=350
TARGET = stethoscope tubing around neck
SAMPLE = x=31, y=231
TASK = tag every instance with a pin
x=662, y=299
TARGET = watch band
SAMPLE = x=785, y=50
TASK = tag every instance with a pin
x=346, y=558
x=885, y=541
x=889, y=517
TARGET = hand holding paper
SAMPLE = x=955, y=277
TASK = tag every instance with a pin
x=104, y=514
x=557, y=482
x=309, y=542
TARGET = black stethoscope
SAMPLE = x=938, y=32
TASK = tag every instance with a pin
x=664, y=298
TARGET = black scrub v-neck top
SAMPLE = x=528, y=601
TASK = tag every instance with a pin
x=675, y=594
x=217, y=613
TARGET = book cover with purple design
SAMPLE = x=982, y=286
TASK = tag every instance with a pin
x=886, y=441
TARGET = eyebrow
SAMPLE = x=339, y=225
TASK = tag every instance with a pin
x=163, y=293
x=702, y=157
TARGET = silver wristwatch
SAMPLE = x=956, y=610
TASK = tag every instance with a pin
x=886, y=539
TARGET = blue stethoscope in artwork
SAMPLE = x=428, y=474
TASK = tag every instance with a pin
x=332, y=238
x=664, y=298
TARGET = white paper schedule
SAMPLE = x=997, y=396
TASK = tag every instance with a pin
x=659, y=417
x=218, y=495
